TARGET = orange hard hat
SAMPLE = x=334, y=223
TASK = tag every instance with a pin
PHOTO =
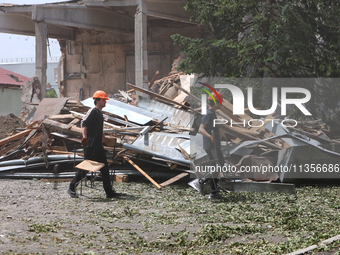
x=216, y=97
x=100, y=94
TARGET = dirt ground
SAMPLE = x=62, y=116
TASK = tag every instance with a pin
x=9, y=123
x=38, y=217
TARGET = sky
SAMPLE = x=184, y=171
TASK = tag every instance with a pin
x=18, y=46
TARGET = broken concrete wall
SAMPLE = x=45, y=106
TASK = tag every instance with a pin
x=30, y=95
x=105, y=60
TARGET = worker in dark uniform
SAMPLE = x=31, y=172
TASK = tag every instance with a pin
x=92, y=131
x=211, y=144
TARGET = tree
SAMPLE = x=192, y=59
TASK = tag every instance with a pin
x=257, y=38
x=272, y=39
x=51, y=93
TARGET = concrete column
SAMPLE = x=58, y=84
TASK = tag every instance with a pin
x=41, y=56
x=141, y=53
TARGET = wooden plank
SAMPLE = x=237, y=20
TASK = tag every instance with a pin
x=174, y=179
x=232, y=131
x=152, y=94
x=158, y=124
x=16, y=136
x=61, y=116
x=125, y=95
x=30, y=126
x=143, y=173
x=57, y=180
x=10, y=147
x=246, y=131
x=188, y=129
x=185, y=154
x=187, y=92
x=313, y=247
x=303, y=251
x=330, y=240
x=165, y=88
x=44, y=138
x=90, y=165
x=153, y=79
x=35, y=139
x=69, y=125
x=172, y=166
x=76, y=131
x=60, y=152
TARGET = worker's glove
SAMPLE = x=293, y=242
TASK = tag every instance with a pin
x=211, y=138
x=83, y=141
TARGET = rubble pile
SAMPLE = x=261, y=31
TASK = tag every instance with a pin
x=158, y=133
x=54, y=135
x=9, y=123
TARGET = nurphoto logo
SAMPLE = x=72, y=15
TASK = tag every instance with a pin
x=239, y=105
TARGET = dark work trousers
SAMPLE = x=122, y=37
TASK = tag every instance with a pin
x=98, y=155
x=213, y=181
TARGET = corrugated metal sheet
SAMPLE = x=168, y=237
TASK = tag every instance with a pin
x=133, y=113
x=162, y=143
x=160, y=110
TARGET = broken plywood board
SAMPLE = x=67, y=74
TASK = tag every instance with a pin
x=49, y=107
x=90, y=165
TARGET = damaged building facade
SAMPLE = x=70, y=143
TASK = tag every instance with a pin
x=104, y=44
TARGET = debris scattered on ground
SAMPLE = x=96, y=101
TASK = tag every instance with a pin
x=40, y=217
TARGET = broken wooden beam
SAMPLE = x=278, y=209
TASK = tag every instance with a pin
x=143, y=173
x=152, y=94
x=153, y=79
x=174, y=179
x=73, y=130
x=16, y=136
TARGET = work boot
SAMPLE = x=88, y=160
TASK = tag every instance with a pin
x=72, y=193
x=216, y=195
x=113, y=194
x=197, y=185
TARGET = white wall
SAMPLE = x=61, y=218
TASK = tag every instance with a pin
x=10, y=101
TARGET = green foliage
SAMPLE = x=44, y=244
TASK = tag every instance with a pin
x=38, y=228
x=269, y=39
x=289, y=38
x=51, y=93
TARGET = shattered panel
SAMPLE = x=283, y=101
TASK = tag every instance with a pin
x=49, y=107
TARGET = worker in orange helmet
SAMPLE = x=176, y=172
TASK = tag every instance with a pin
x=211, y=143
x=92, y=131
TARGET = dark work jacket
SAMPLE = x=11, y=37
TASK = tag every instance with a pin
x=94, y=122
